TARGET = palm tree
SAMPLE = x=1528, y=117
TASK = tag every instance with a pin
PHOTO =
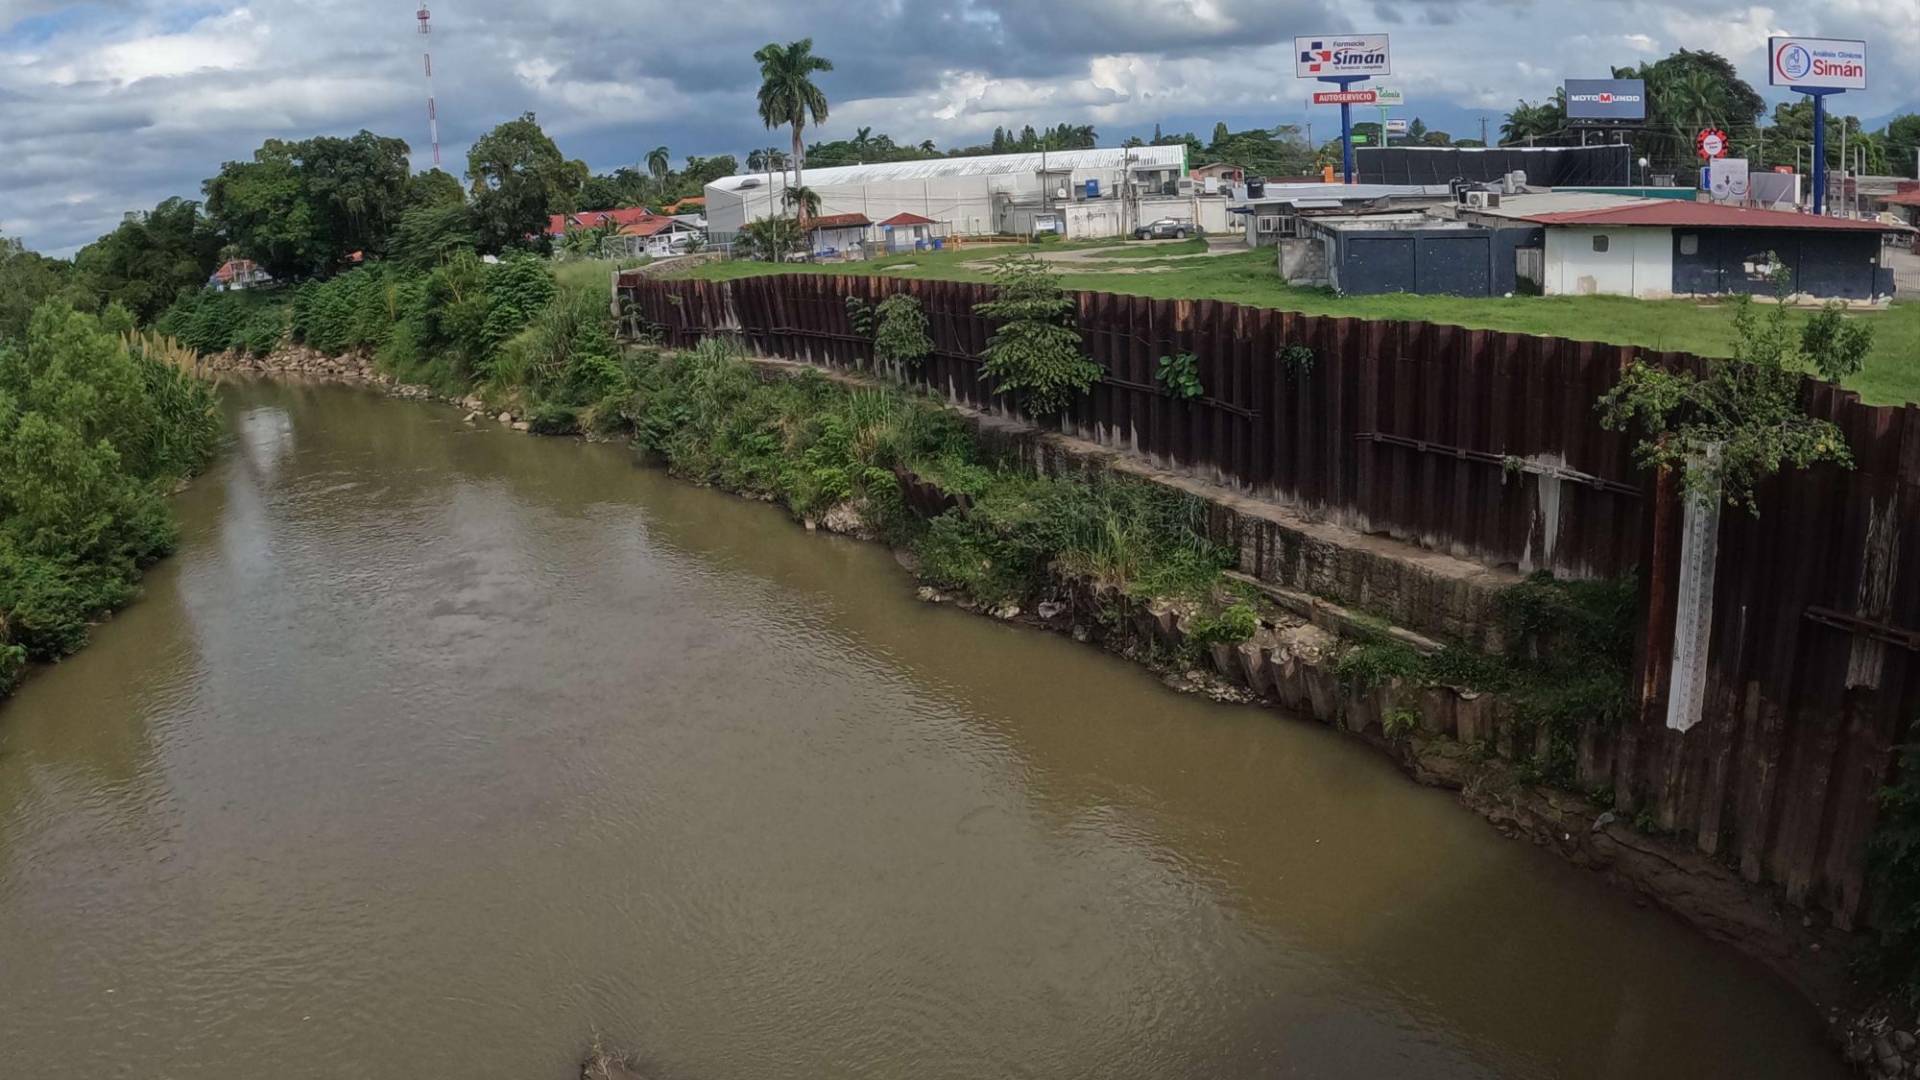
x=1528, y=119
x=659, y=162
x=804, y=200
x=926, y=146
x=787, y=93
x=863, y=143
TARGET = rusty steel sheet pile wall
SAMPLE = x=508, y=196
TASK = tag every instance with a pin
x=1486, y=445
x=1813, y=674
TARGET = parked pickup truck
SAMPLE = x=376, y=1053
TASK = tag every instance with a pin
x=1165, y=229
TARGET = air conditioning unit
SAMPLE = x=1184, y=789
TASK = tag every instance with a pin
x=1482, y=200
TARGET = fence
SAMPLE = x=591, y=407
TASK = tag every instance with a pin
x=1485, y=445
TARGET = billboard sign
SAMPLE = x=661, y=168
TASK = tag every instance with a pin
x=1389, y=96
x=1820, y=63
x=1606, y=99
x=1728, y=180
x=1353, y=56
x=1711, y=143
x=1396, y=126
x=1345, y=97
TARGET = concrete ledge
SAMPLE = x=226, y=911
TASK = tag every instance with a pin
x=1431, y=593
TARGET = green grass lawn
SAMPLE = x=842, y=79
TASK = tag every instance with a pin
x=594, y=272
x=1892, y=374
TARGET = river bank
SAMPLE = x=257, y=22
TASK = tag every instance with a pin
x=1439, y=738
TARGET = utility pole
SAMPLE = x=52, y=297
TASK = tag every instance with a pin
x=1483, y=131
x=1843, y=166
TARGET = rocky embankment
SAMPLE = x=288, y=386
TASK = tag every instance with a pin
x=300, y=362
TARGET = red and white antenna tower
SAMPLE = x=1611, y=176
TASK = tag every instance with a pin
x=433, y=117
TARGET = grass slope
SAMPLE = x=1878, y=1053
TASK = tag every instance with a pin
x=1892, y=374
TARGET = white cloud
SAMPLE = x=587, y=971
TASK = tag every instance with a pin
x=115, y=104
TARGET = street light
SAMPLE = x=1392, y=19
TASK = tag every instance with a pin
x=1643, y=172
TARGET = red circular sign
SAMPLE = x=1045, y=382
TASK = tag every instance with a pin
x=1711, y=143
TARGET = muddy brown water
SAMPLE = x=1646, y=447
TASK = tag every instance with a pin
x=437, y=749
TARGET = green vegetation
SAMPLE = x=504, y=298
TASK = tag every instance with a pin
x=1891, y=374
x=814, y=445
x=1893, y=866
x=1741, y=422
x=1180, y=374
x=1035, y=351
x=902, y=334
x=1569, y=660
x=96, y=426
x=518, y=178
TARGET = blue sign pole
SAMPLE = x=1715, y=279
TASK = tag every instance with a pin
x=1819, y=96
x=1345, y=82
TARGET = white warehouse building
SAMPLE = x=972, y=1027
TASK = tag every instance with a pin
x=1082, y=193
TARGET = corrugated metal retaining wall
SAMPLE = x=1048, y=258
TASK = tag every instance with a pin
x=1485, y=445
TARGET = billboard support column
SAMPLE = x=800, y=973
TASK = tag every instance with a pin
x=1345, y=82
x=1819, y=164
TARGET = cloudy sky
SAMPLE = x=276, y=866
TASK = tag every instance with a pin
x=111, y=105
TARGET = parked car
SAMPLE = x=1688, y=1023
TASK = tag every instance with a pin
x=1165, y=229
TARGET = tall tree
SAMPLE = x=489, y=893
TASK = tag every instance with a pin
x=1220, y=133
x=659, y=163
x=1688, y=91
x=1789, y=139
x=299, y=208
x=788, y=96
x=26, y=279
x=435, y=187
x=358, y=187
x=263, y=209
x=805, y=203
x=1902, y=139
x=150, y=258
x=518, y=177
x=1530, y=120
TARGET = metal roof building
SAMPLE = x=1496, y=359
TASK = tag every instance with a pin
x=968, y=195
x=1054, y=161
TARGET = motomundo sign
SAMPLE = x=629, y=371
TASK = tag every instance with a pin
x=1606, y=99
x=1820, y=63
x=1325, y=56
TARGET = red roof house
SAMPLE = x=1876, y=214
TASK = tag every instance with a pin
x=837, y=221
x=558, y=224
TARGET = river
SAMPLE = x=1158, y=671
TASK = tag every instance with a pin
x=438, y=748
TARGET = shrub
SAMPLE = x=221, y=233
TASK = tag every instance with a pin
x=901, y=335
x=1035, y=351
x=1741, y=422
x=95, y=427
x=1229, y=626
x=1400, y=724
x=566, y=353
x=1373, y=664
